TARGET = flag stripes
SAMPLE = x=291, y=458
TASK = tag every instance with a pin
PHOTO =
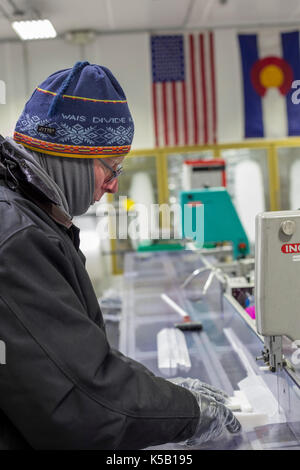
x=184, y=89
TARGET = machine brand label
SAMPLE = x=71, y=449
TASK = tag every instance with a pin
x=288, y=248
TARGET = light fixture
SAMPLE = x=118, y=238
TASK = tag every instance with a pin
x=34, y=29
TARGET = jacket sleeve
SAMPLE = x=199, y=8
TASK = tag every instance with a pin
x=62, y=385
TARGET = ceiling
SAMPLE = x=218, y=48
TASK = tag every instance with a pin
x=135, y=15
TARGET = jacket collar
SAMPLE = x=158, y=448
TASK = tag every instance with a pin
x=19, y=175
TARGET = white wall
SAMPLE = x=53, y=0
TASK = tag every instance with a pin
x=229, y=87
x=46, y=57
x=12, y=73
x=24, y=65
x=128, y=56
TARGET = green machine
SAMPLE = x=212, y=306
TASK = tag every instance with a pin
x=209, y=217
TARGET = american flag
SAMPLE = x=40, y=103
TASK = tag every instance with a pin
x=184, y=89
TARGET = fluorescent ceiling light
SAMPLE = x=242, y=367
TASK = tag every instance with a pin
x=36, y=29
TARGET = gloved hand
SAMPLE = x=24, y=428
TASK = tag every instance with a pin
x=195, y=385
x=214, y=417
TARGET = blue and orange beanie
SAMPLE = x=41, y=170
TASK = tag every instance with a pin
x=79, y=112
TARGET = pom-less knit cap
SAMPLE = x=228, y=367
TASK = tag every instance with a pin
x=80, y=112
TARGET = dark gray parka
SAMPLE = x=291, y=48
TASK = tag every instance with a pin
x=63, y=386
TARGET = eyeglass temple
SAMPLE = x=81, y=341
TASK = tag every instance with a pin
x=105, y=164
x=115, y=171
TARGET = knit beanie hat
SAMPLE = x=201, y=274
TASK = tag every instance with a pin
x=80, y=112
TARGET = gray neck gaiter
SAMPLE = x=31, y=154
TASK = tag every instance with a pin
x=74, y=176
x=72, y=179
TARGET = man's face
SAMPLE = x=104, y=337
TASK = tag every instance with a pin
x=102, y=174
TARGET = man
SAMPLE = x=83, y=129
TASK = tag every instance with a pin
x=63, y=386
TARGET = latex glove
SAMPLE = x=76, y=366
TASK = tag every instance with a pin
x=195, y=385
x=214, y=418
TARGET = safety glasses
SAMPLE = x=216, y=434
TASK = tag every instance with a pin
x=115, y=172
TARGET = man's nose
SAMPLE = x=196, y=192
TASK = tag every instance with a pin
x=112, y=187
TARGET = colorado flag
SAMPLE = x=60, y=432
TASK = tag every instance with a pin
x=270, y=62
